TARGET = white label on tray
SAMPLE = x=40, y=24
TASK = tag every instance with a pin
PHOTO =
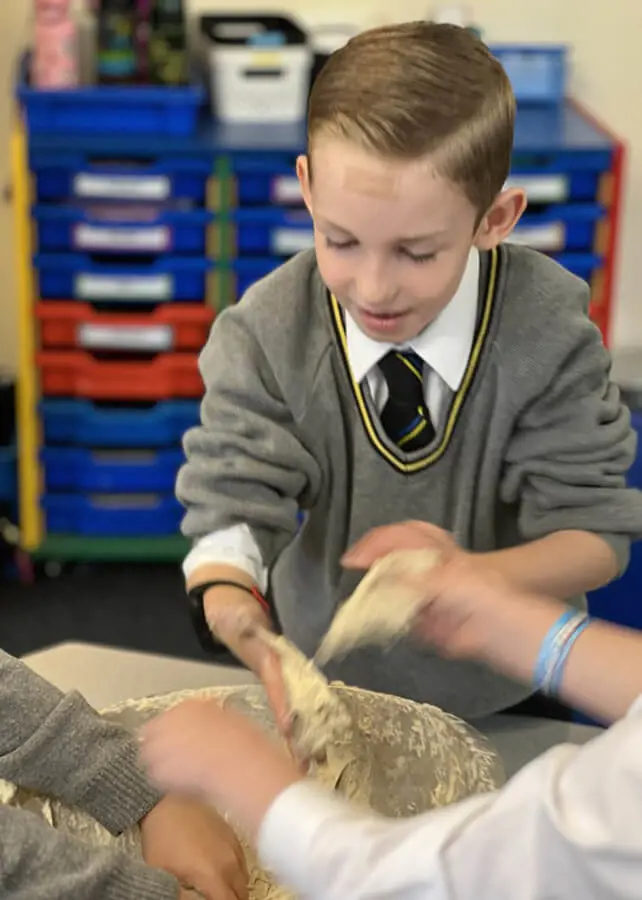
x=549, y=237
x=99, y=237
x=124, y=287
x=286, y=189
x=542, y=188
x=125, y=337
x=126, y=187
x=290, y=240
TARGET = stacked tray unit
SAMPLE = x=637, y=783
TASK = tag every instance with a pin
x=569, y=166
x=121, y=273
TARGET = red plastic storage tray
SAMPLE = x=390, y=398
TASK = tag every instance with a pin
x=78, y=374
x=75, y=325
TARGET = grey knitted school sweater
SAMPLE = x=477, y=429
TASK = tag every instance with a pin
x=57, y=745
x=535, y=441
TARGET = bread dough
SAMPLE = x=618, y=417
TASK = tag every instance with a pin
x=320, y=718
x=402, y=759
x=383, y=607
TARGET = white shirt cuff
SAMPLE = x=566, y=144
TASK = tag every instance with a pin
x=233, y=546
x=289, y=828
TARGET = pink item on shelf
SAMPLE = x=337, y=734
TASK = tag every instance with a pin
x=54, y=61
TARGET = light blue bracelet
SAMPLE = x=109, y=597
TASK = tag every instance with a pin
x=558, y=673
x=555, y=649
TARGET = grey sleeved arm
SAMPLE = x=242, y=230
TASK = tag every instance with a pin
x=57, y=744
x=246, y=462
x=567, y=462
x=40, y=863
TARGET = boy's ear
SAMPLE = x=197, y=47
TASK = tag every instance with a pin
x=501, y=218
x=303, y=174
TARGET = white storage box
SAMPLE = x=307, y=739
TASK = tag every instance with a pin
x=260, y=68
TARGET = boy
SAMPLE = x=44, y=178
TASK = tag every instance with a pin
x=58, y=745
x=412, y=367
x=569, y=825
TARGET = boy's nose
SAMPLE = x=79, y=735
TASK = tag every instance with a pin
x=374, y=292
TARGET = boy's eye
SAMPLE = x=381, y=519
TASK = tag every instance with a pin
x=340, y=245
x=418, y=257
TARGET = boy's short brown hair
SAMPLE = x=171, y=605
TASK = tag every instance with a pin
x=405, y=91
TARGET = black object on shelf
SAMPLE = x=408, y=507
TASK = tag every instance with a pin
x=7, y=408
x=168, y=62
x=117, y=57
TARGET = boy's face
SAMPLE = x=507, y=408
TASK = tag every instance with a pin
x=393, y=237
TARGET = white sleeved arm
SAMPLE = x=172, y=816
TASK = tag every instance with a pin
x=233, y=546
x=569, y=825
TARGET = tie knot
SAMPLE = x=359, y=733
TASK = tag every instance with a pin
x=404, y=373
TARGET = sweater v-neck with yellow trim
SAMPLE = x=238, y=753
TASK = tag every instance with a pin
x=409, y=463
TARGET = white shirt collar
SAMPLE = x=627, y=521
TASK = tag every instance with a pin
x=444, y=345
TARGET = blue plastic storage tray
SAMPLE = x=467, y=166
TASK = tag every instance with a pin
x=89, y=424
x=69, y=174
x=537, y=73
x=557, y=229
x=111, y=110
x=80, y=277
x=264, y=179
x=111, y=471
x=100, y=228
x=267, y=232
x=111, y=515
x=8, y=475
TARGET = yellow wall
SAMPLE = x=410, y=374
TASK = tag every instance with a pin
x=607, y=77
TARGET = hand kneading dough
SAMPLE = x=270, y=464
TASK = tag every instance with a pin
x=320, y=717
x=384, y=605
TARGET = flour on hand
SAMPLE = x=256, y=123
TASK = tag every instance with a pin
x=320, y=717
x=383, y=607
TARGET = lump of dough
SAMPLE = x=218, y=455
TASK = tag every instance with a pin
x=320, y=716
x=384, y=605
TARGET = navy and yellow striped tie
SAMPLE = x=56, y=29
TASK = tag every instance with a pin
x=405, y=418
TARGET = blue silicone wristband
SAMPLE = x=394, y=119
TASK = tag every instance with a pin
x=553, y=649
x=558, y=672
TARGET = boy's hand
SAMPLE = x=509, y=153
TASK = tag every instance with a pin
x=465, y=601
x=239, y=622
x=193, y=843
x=199, y=748
x=411, y=535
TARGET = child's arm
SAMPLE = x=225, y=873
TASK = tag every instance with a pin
x=564, y=564
x=566, y=464
x=568, y=826
x=43, y=864
x=58, y=745
x=246, y=476
x=246, y=463
x=470, y=611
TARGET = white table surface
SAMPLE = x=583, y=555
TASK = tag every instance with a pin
x=109, y=675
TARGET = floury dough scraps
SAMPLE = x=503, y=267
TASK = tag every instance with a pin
x=383, y=607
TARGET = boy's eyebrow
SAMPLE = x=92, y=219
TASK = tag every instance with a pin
x=415, y=239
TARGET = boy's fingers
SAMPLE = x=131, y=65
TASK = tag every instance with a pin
x=272, y=678
x=382, y=541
